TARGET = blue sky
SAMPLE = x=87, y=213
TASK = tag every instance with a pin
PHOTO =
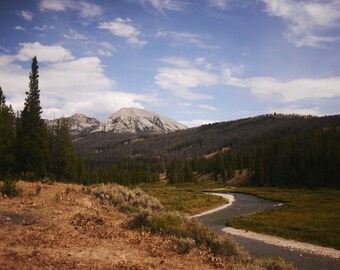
x=195, y=61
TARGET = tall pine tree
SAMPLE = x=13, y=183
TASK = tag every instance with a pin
x=32, y=141
x=7, y=137
x=63, y=163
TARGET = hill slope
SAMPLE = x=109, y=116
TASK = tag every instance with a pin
x=63, y=226
x=195, y=141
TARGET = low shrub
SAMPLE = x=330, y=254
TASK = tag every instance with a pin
x=120, y=195
x=172, y=224
x=10, y=189
x=184, y=245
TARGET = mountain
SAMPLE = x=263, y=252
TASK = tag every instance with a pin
x=80, y=124
x=134, y=120
x=126, y=120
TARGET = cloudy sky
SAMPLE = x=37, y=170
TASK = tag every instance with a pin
x=196, y=61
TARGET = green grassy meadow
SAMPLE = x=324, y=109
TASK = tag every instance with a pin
x=308, y=215
x=187, y=198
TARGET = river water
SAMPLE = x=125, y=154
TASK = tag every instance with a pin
x=247, y=204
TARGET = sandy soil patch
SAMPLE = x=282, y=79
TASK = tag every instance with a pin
x=287, y=243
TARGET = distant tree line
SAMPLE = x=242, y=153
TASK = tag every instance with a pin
x=308, y=158
x=305, y=159
x=125, y=172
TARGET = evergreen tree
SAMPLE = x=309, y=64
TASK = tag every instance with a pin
x=63, y=162
x=7, y=137
x=188, y=172
x=32, y=141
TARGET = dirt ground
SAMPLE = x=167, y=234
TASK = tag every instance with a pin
x=59, y=227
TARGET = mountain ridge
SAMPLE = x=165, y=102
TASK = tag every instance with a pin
x=126, y=120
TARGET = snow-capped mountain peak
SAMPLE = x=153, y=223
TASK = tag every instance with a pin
x=134, y=120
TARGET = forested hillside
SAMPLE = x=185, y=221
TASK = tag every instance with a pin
x=284, y=150
x=193, y=142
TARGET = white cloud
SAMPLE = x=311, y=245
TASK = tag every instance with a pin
x=85, y=10
x=106, y=49
x=161, y=5
x=53, y=53
x=2, y=48
x=68, y=87
x=177, y=61
x=197, y=122
x=289, y=91
x=186, y=38
x=72, y=74
x=180, y=81
x=222, y=4
x=102, y=52
x=183, y=104
x=74, y=35
x=207, y=107
x=108, y=46
x=307, y=21
x=27, y=15
x=89, y=10
x=181, y=76
x=20, y=28
x=55, y=5
x=124, y=28
x=6, y=59
x=44, y=27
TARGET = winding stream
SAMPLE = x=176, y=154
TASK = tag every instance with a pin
x=244, y=204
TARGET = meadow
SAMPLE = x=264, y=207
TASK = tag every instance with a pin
x=307, y=215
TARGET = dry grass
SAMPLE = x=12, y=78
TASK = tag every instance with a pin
x=122, y=196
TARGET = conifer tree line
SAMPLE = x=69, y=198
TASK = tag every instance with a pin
x=309, y=158
x=28, y=150
x=124, y=172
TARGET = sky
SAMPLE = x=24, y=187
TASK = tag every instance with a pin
x=196, y=61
